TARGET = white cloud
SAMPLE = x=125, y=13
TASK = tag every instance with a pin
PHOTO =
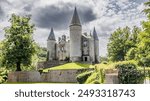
x=110, y=14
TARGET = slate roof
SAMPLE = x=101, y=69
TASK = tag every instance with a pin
x=75, y=19
x=51, y=35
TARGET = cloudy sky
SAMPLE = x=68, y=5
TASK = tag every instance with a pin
x=105, y=15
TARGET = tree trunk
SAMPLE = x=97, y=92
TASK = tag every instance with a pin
x=18, y=67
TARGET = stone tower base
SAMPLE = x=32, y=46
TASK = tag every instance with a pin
x=75, y=59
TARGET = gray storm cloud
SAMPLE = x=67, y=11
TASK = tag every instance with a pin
x=59, y=18
x=1, y=12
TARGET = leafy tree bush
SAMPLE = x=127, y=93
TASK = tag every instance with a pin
x=121, y=41
x=128, y=73
x=131, y=54
x=144, y=61
x=104, y=60
x=3, y=75
x=81, y=78
x=126, y=64
x=101, y=75
x=96, y=77
x=92, y=78
x=18, y=47
x=143, y=44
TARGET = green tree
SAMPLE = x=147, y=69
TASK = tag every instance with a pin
x=147, y=10
x=143, y=46
x=121, y=41
x=18, y=47
x=117, y=44
x=131, y=54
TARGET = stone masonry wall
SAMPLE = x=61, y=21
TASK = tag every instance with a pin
x=56, y=76
x=24, y=76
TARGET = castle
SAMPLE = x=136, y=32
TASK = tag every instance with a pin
x=80, y=47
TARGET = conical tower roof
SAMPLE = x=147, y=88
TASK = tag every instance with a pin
x=51, y=35
x=75, y=19
x=95, y=34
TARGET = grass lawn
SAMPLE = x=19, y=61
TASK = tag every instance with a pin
x=69, y=66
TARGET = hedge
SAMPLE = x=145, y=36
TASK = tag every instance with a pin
x=81, y=78
x=129, y=73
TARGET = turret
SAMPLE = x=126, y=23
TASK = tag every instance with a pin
x=51, y=46
x=96, y=45
x=75, y=37
x=92, y=51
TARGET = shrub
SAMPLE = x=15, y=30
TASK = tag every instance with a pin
x=92, y=78
x=126, y=65
x=147, y=71
x=81, y=78
x=144, y=61
x=97, y=76
x=104, y=62
x=3, y=75
x=128, y=73
x=131, y=54
x=149, y=74
x=101, y=75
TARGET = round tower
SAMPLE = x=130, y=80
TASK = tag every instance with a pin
x=51, y=46
x=75, y=38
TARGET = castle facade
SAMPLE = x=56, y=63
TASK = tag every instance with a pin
x=80, y=46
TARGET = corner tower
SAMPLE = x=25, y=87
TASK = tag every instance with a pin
x=75, y=37
x=51, y=46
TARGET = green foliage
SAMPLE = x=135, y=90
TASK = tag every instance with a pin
x=96, y=77
x=101, y=76
x=126, y=65
x=3, y=75
x=0, y=54
x=81, y=78
x=143, y=45
x=144, y=61
x=120, y=43
x=18, y=47
x=148, y=72
x=92, y=78
x=128, y=73
x=103, y=60
x=147, y=10
x=131, y=54
x=42, y=53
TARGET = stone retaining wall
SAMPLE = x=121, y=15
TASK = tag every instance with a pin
x=24, y=76
x=56, y=76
